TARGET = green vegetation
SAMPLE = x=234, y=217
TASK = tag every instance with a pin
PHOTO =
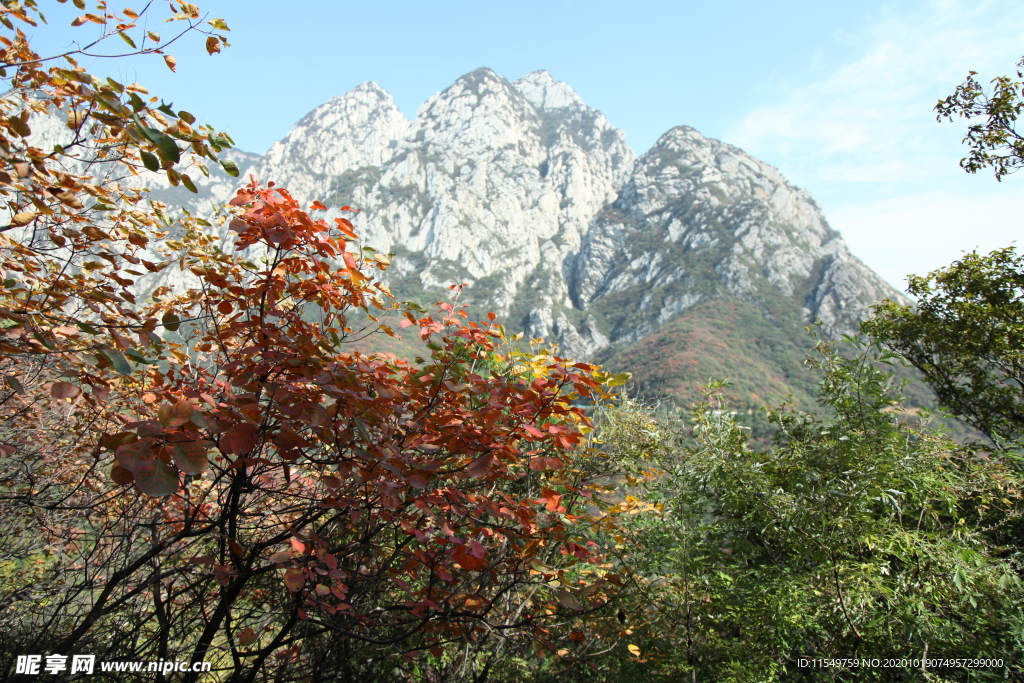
x=856, y=536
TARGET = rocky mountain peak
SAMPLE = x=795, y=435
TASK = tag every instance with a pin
x=360, y=128
x=480, y=111
x=533, y=199
x=545, y=93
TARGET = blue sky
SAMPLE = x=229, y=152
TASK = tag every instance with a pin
x=839, y=96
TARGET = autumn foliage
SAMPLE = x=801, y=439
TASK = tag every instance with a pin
x=208, y=474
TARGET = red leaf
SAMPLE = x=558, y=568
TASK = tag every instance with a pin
x=131, y=456
x=239, y=439
x=157, y=480
x=64, y=390
x=468, y=560
x=153, y=476
x=247, y=637
x=294, y=579
x=480, y=467
x=191, y=456
x=567, y=599
x=417, y=481
x=542, y=464
x=176, y=415
x=282, y=556
x=120, y=475
x=533, y=431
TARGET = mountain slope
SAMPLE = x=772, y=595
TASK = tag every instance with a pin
x=534, y=199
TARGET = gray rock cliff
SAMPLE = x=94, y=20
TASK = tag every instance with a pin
x=534, y=199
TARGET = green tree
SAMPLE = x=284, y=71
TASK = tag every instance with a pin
x=965, y=333
x=994, y=141
x=857, y=535
x=966, y=336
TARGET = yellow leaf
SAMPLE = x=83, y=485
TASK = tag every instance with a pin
x=634, y=650
x=24, y=218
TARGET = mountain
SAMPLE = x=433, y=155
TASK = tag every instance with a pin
x=536, y=201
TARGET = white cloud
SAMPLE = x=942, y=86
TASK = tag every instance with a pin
x=869, y=124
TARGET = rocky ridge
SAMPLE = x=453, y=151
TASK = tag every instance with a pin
x=535, y=200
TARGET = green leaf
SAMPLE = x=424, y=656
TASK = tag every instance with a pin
x=619, y=379
x=219, y=24
x=187, y=182
x=138, y=357
x=171, y=321
x=126, y=38
x=229, y=167
x=151, y=134
x=119, y=362
x=150, y=161
x=136, y=102
x=169, y=149
x=88, y=329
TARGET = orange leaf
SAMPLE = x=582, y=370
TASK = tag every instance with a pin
x=247, y=637
x=212, y=44
x=294, y=579
x=171, y=62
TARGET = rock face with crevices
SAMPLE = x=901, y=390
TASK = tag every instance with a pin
x=534, y=199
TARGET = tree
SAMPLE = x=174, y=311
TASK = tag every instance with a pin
x=209, y=476
x=966, y=336
x=995, y=141
x=856, y=536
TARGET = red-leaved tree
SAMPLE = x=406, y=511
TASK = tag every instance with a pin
x=209, y=475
